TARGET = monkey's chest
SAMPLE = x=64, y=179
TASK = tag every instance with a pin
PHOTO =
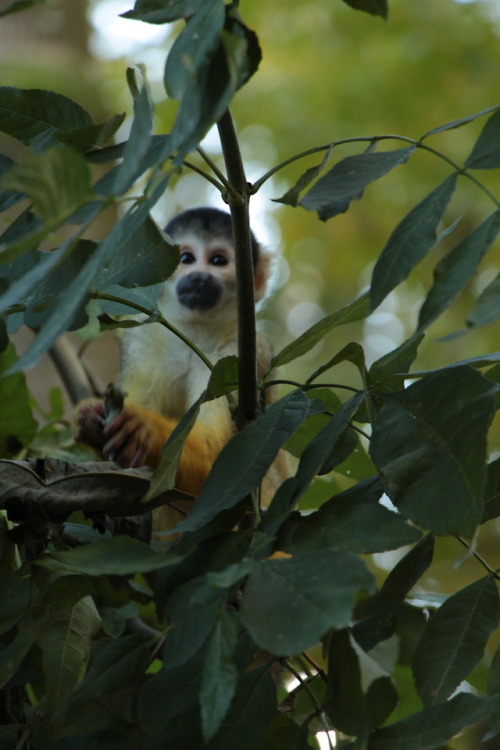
x=161, y=372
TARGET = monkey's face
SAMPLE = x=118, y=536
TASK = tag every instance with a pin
x=205, y=280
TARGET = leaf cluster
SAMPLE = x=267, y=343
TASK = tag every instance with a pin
x=110, y=640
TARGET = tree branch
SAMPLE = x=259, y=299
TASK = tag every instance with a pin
x=238, y=199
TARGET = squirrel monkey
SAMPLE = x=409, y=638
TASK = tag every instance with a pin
x=162, y=376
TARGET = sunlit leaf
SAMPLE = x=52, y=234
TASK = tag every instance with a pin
x=429, y=444
x=410, y=241
x=289, y=604
x=65, y=642
x=454, y=640
x=57, y=182
x=194, y=47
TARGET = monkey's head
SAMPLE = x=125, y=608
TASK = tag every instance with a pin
x=205, y=280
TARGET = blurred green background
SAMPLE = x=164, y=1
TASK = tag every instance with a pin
x=328, y=73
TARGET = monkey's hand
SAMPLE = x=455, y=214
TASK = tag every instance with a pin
x=135, y=437
x=89, y=417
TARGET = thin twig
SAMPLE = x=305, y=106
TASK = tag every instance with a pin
x=478, y=557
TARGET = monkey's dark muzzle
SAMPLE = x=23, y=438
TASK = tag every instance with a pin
x=199, y=291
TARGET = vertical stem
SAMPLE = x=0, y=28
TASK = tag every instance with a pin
x=238, y=199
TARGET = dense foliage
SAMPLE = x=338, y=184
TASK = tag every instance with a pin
x=108, y=641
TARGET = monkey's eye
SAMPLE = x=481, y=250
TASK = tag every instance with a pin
x=218, y=259
x=187, y=257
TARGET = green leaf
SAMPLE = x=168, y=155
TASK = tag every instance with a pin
x=313, y=458
x=410, y=241
x=346, y=181
x=169, y=693
x=431, y=728
x=22, y=236
x=17, y=426
x=289, y=604
x=361, y=695
x=77, y=290
x=224, y=377
x=241, y=49
x=458, y=123
x=379, y=621
x=91, y=136
x=486, y=152
x=27, y=272
x=34, y=116
x=157, y=11
x=220, y=674
x=57, y=181
x=429, y=445
x=69, y=260
x=165, y=473
x=194, y=47
x=251, y=713
x=12, y=655
x=396, y=362
x=144, y=258
x=65, y=642
x=193, y=609
x=7, y=197
x=291, y=197
x=118, y=556
x=114, y=667
x=454, y=640
x=352, y=352
x=351, y=520
x=351, y=313
x=487, y=307
x=456, y=269
x=374, y=7
x=134, y=161
x=241, y=465
x=16, y=6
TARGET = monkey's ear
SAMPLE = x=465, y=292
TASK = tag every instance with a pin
x=262, y=274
